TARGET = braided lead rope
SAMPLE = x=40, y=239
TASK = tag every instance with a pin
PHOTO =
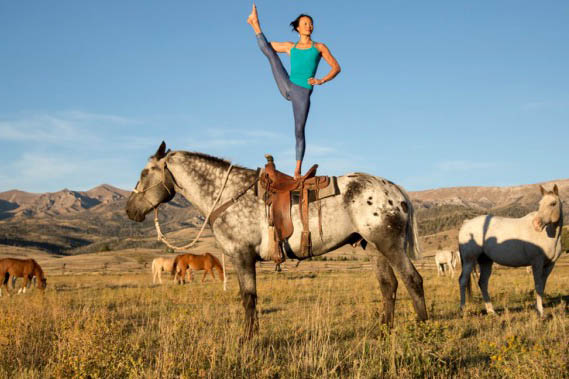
x=160, y=236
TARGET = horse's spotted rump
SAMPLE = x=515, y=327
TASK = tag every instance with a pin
x=395, y=222
x=353, y=190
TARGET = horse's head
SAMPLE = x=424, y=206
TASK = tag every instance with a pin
x=549, y=211
x=42, y=283
x=155, y=186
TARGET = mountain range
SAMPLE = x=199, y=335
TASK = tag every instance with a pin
x=74, y=222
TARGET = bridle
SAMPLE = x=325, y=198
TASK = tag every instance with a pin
x=162, y=182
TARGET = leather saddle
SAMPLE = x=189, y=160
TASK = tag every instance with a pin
x=279, y=191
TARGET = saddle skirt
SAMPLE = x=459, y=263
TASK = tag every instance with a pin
x=279, y=191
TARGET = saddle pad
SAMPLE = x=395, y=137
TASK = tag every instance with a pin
x=330, y=190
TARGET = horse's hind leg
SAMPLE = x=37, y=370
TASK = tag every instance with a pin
x=485, y=271
x=388, y=286
x=464, y=282
x=411, y=278
x=24, y=285
x=5, y=279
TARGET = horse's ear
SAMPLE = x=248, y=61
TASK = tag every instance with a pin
x=540, y=187
x=161, y=152
x=556, y=190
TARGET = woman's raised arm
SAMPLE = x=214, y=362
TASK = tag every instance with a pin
x=282, y=47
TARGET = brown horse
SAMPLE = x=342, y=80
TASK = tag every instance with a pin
x=196, y=262
x=21, y=268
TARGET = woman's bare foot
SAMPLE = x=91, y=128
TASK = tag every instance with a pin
x=253, y=20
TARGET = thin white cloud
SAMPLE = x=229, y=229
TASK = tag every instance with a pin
x=322, y=150
x=238, y=133
x=216, y=143
x=464, y=165
x=60, y=127
x=78, y=115
x=545, y=105
x=42, y=167
x=40, y=128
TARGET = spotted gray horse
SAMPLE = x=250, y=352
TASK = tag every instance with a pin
x=369, y=209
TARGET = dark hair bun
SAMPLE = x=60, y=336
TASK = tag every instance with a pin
x=294, y=24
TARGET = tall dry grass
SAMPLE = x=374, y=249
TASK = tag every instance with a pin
x=320, y=324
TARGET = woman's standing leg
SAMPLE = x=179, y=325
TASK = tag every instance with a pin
x=300, y=98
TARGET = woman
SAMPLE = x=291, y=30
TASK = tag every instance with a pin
x=304, y=58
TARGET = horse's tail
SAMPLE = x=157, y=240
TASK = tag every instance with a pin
x=216, y=265
x=411, y=244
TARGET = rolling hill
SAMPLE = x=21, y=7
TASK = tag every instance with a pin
x=74, y=222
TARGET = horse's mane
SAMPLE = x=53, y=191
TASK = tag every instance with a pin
x=215, y=161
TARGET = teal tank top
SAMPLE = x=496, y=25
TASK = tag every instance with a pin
x=303, y=65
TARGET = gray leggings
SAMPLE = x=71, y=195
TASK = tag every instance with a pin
x=299, y=96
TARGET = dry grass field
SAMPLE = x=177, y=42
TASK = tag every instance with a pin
x=319, y=319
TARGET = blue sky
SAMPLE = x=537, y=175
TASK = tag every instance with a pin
x=431, y=94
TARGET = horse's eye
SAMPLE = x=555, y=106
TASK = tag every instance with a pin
x=553, y=203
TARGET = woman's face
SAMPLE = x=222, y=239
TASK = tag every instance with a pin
x=305, y=26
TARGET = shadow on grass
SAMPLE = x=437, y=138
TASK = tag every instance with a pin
x=121, y=286
x=556, y=300
x=302, y=276
x=474, y=360
x=267, y=311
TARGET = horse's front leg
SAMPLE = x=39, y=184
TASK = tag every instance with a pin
x=24, y=285
x=540, y=275
x=244, y=264
x=388, y=286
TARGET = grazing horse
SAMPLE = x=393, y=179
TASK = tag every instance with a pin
x=161, y=264
x=446, y=258
x=370, y=210
x=533, y=240
x=205, y=262
x=21, y=268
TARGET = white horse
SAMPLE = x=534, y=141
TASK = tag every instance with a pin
x=161, y=264
x=446, y=258
x=369, y=209
x=533, y=240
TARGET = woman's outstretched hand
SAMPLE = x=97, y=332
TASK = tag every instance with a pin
x=314, y=81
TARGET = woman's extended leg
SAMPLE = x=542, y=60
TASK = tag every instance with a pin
x=279, y=72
